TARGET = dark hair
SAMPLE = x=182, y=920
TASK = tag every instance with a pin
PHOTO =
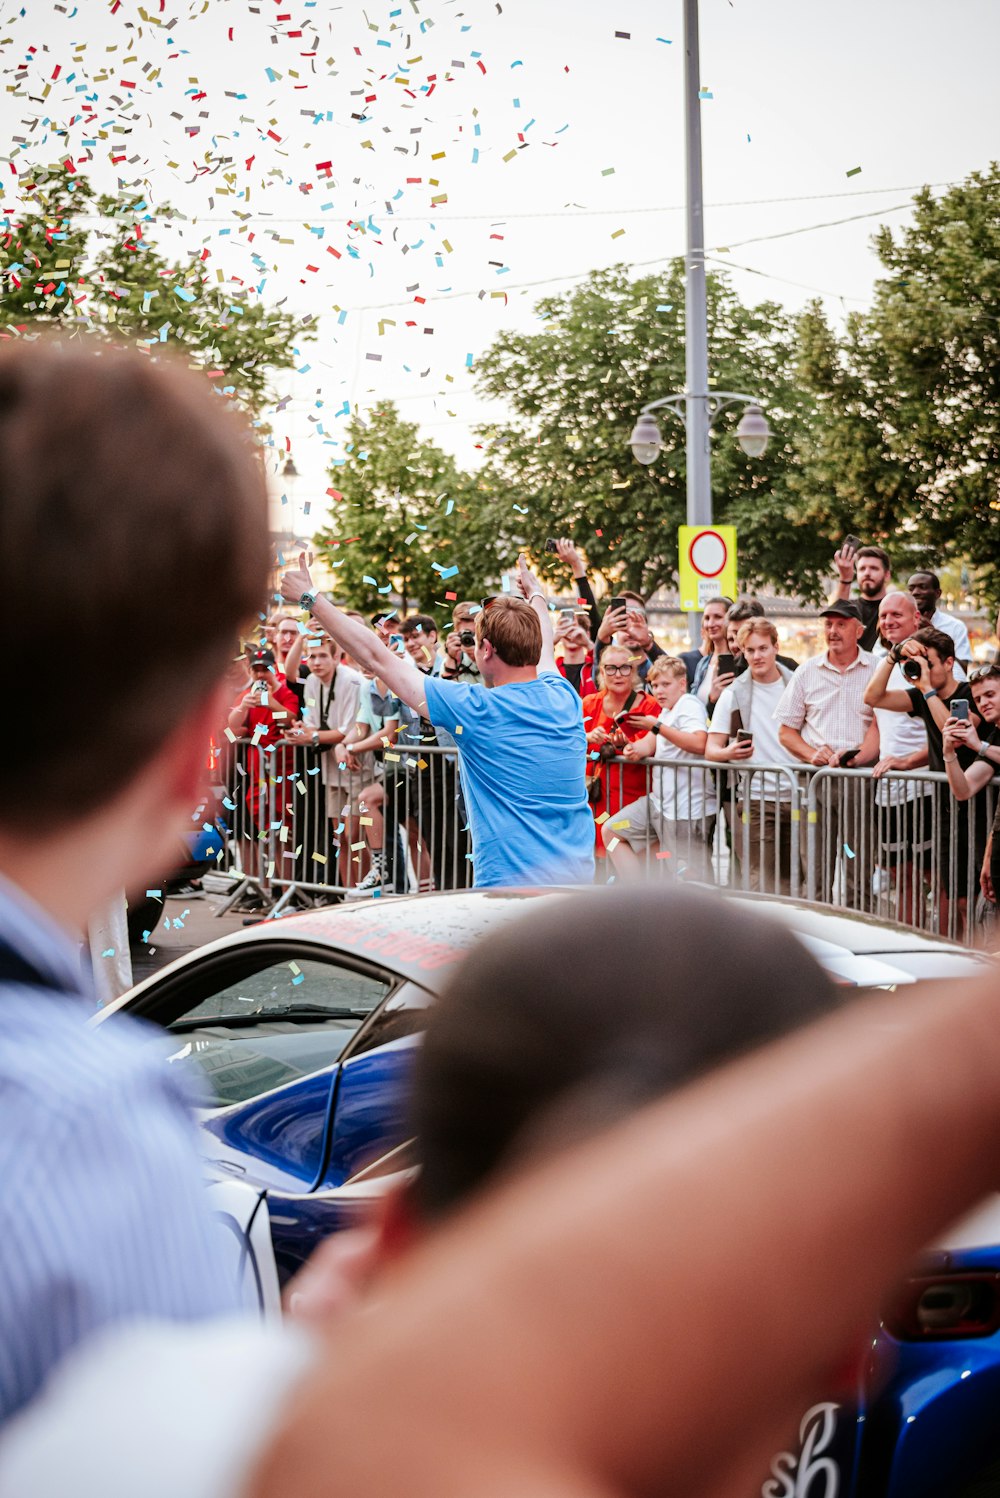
x=874, y=551
x=417, y=624
x=926, y=572
x=593, y=1028
x=936, y=639
x=133, y=510
x=745, y=608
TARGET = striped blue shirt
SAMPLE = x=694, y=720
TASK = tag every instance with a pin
x=102, y=1210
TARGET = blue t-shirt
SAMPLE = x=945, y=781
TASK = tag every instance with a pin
x=523, y=756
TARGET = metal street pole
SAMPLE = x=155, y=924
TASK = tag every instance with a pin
x=699, y=472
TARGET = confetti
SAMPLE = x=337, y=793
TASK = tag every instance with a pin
x=854, y=171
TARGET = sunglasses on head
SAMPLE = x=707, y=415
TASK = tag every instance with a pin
x=981, y=673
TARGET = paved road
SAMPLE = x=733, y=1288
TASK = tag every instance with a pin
x=189, y=921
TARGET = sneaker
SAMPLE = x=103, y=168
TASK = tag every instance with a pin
x=370, y=883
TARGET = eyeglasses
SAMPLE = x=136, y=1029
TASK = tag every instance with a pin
x=982, y=672
x=618, y=670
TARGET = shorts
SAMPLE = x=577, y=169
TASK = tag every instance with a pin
x=644, y=823
x=904, y=832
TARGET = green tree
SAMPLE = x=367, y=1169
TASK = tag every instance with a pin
x=85, y=264
x=407, y=516
x=906, y=437
x=933, y=338
x=575, y=388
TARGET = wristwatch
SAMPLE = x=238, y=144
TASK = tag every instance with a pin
x=315, y=740
x=307, y=600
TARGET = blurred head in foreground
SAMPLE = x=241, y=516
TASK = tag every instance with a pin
x=566, y=1021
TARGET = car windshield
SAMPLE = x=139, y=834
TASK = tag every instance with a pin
x=272, y=1026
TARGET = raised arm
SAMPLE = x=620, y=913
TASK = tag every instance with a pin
x=531, y=589
x=877, y=693
x=398, y=672
x=567, y=552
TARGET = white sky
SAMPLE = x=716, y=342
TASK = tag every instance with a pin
x=905, y=89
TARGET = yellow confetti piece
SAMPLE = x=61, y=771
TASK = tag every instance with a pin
x=319, y=858
x=618, y=233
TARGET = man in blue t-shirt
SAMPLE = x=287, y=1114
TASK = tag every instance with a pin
x=520, y=737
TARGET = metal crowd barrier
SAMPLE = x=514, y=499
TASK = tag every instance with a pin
x=900, y=847
x=291, y=835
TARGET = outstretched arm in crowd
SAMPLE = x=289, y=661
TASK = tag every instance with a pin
x=902, y=1108
x=362, y=644
x=567, y=552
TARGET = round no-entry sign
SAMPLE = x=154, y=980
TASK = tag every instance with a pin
x=708, y=553
x=706, y=564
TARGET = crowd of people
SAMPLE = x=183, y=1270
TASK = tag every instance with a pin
x=693, y=763
x=563, y=1230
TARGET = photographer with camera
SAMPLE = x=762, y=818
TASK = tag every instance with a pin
x=606, y=719
x=577, y=660
x=459, y=662
x=265, y=713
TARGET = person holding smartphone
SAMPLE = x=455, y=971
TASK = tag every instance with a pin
x=959, y=734
x=743, y=732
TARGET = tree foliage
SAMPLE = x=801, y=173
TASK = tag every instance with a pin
x=83, y=263
x=609, y=347
x=404, y=516
x=908, y=430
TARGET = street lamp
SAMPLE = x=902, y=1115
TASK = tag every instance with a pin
x=753, y=432
x=697, y=407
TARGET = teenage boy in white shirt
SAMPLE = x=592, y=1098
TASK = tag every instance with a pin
x=764, y=805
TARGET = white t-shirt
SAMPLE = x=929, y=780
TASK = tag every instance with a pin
x=683, y=795
x=767, y=746
x=335, y=706
x=957, y=631
x=898, y=735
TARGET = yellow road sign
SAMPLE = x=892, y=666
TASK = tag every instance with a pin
x=706, y=565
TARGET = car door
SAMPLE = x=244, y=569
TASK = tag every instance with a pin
x=371, y=1104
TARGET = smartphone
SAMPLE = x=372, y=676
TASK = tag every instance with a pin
x=568, y=616
x=959, y=708
x=618, y=602
x=743, y=736
x=550, y=544
x=725, y=664
x=846, y=755
x=850, y=543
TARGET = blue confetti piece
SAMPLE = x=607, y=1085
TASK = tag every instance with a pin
x=109, y=953
x=299, y=978
x=849, y=851
x=185, y=296
x=154, y=894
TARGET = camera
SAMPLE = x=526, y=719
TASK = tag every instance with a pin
x=911, y=669
x=467, y=638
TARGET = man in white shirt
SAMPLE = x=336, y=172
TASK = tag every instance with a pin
x=679, y=812
x=926, y=590
x=764, y=806
x=331, y=695
x=824, y=721
x=903, y=812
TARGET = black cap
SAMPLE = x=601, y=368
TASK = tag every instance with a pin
x=844, y=609
x=262, y=658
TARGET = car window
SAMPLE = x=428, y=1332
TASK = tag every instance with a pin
x=271, y=1026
